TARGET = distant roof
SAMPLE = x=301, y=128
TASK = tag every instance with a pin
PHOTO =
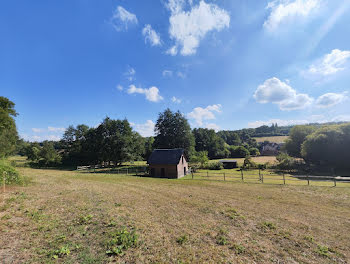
x=228, y=161
x=165, y=156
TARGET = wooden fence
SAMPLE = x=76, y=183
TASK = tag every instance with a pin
x=271, y=178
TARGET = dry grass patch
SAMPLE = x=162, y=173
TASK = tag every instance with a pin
x=71, y=217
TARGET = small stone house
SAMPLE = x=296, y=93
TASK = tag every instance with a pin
x=168, y=163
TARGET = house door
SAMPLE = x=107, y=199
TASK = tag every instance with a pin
x=162, y=172
x=153, y=172
x=184, y=170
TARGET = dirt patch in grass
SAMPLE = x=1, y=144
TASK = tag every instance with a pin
x=71, y=217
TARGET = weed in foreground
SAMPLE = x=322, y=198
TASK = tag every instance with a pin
x=221, y=238
x=182, y=239
x=120, y=241
x=268, y=226
x=322, y=250
x=239, y=249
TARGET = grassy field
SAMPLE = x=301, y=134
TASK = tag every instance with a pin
x=79, y=217
x=276, y=139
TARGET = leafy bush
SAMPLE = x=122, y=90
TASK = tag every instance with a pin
x=12, y=176
x=249, y=164
x=238, y=152
x=254, y=152
x=214, y=166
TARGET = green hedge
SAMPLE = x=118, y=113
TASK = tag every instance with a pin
x=12, y=176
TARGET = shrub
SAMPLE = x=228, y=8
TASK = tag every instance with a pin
x=249, y=164
x=12, y=176
x=238, y=152
x=214, y=166
x=254, y=152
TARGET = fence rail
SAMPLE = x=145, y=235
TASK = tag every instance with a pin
x=271, y=178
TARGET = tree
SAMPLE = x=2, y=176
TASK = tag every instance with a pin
x=254, y=152
x=48, y=155
x=328, y=146
x=296, y=138
x=148, y=147
x=33, y=152
x=8, y=130
x=238, y=152
x=208, y=140
x=173, y=131
x=200, y=157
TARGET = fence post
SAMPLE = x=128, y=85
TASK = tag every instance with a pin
x=284, y=179
x=207, y=174
x=308, y=180
x=192, y=174
x=259, y=175
x=242, y=175
x=224, y=177
x=262, y=178
x=127, y=171
x=335, y=182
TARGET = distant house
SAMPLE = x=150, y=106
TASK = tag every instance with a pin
x=168, y=163
x=229, y=164
x=270, y=148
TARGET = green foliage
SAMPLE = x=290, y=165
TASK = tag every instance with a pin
x=268, y=226
x=249, y=164
x=48, y=155
x=8, y=130
x=182, y=239
x=173, y=131
x=10, y=173
x=214, y=166
x=238, y=152
x=285, y=162
x=296, y=138
x=221, y=238
x=120, y=241
x=239, y=249
x=328, y=146
x=254, y=152
x=207, y=140
x=200, y=158
x=322, y=250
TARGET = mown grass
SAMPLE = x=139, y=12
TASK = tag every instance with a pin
x=274, y=139
x=76, y=217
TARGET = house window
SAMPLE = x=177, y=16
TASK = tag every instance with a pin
x=182, y=159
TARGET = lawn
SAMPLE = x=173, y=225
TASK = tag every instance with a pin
x=79, y=217
x=275, y=139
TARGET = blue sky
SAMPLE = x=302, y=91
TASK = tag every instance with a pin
x=224, y=64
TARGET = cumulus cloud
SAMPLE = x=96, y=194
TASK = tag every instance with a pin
x=290, y=122
x=119, y=87
x=330, y=99
x=152, y=94
x=56, y=129
x=151, y=36
x=122, y=19
x=146, y=129
x=275, y=91
x=188, y=28
x=331, y=63
x=283, y=11
x=176, y=100
x=200, y=114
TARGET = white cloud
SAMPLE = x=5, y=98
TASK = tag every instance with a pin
x=330, y=99
x=290, y=122
x=167, y=73
x=331, y=63
x=212, y=126
x=172, y=51
x=188, y=28
x=199, y=114
x=56, y=129
x=130, y=74
x=275, y=91
x=146, y=129
x=176, y=100
x=284, y=11
x=151, y=36
x=181, y=75
x=152, y=94
x=122, y=18
x=119, y=87
x=48, y=129
x=35, y=138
